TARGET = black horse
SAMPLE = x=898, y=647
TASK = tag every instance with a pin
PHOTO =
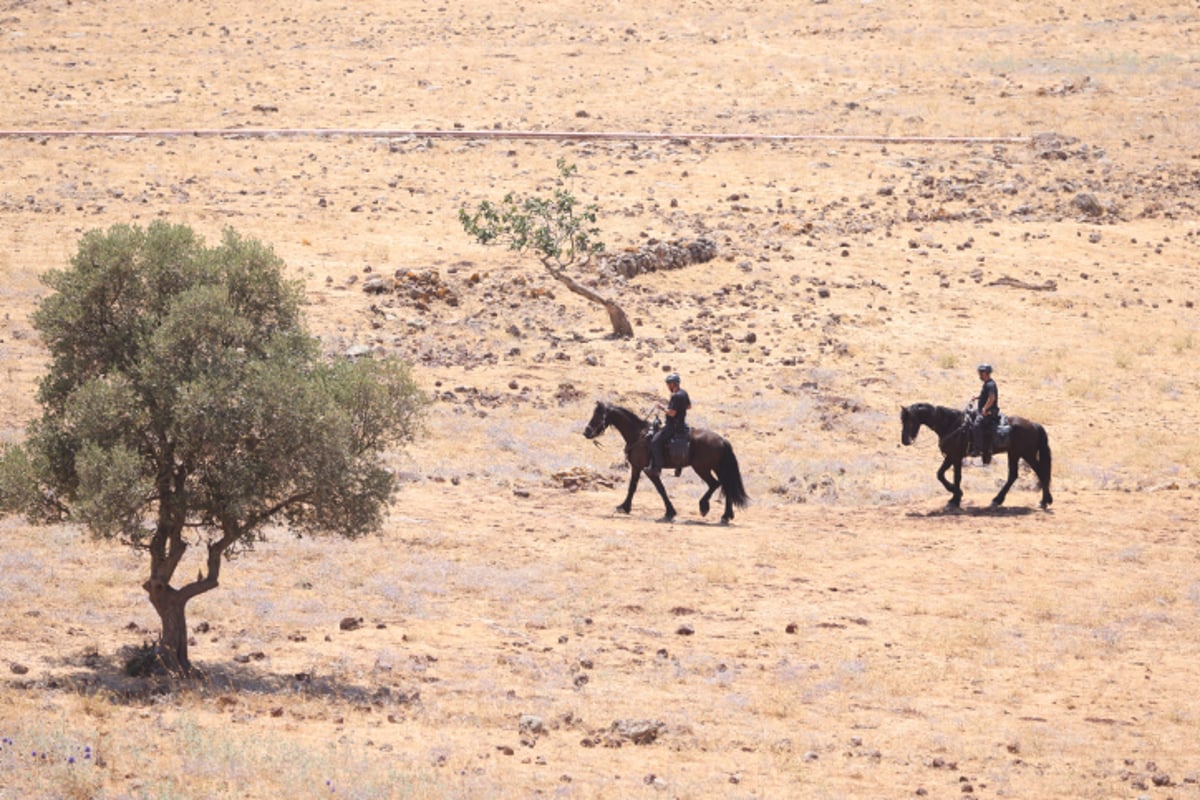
x=1025, y=440
x=708, y=453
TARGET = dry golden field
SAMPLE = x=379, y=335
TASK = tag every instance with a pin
x=846, y=636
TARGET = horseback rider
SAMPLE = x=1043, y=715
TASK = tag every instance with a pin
x=676, y=412
x=989, y=413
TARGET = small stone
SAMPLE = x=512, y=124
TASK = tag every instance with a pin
x=1088, y=204
x=531, y=723
x=639, y=731
x=685, y=630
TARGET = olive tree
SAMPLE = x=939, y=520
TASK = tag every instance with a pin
x=185, y=404
x=560, y=232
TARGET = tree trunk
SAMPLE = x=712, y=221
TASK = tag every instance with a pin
x=620, y=323
x=166, y=550
x=173, y=640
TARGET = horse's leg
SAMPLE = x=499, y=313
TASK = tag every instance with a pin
x=1014, y=461
x=669, y=514
x=954, y=489
x=1043, y=468
x=625, y=507
x=713, y=483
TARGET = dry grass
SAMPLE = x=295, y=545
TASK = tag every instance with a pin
x=848, y=637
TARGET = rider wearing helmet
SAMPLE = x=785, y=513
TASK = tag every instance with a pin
x=676, y=412
x=989, y=412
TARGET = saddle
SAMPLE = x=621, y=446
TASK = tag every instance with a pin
x=999, y=435
x=678, y=450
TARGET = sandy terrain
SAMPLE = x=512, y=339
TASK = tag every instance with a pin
x=845, y=636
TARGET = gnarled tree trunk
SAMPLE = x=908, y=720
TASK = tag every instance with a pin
x=166, y=551
x=170, y=604
x=616, y=316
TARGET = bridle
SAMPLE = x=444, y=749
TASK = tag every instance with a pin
x=592, y=432
x=910, y=426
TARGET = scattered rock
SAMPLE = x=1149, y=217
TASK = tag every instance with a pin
x=577, y=478
x=378, y=285
x=660, y=256
x=1088, y=204
x=1051, y=146
x=531, y=723
x=351, y=623
x=638, y=731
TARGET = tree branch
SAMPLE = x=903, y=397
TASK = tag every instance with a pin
x=205, y=583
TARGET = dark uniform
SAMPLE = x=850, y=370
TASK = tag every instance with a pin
x=677, y=408
x=989, y=413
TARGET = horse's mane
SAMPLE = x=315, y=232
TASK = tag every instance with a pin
x=942, y=419
x=613, y=408
x=936, y=411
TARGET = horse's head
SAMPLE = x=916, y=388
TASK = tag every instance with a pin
x=910, y=425
x=598, y=422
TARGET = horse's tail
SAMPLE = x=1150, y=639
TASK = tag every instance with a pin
x=731, y=478
x=1043, y=457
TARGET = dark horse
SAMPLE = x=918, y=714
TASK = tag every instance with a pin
x=1026, y=440
x=708, y=453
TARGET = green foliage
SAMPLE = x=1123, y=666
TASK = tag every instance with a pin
x=557, y=229
x=184, y=394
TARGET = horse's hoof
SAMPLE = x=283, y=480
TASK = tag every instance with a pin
x=726, y=520
x=621, y=510
x=667, y=518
